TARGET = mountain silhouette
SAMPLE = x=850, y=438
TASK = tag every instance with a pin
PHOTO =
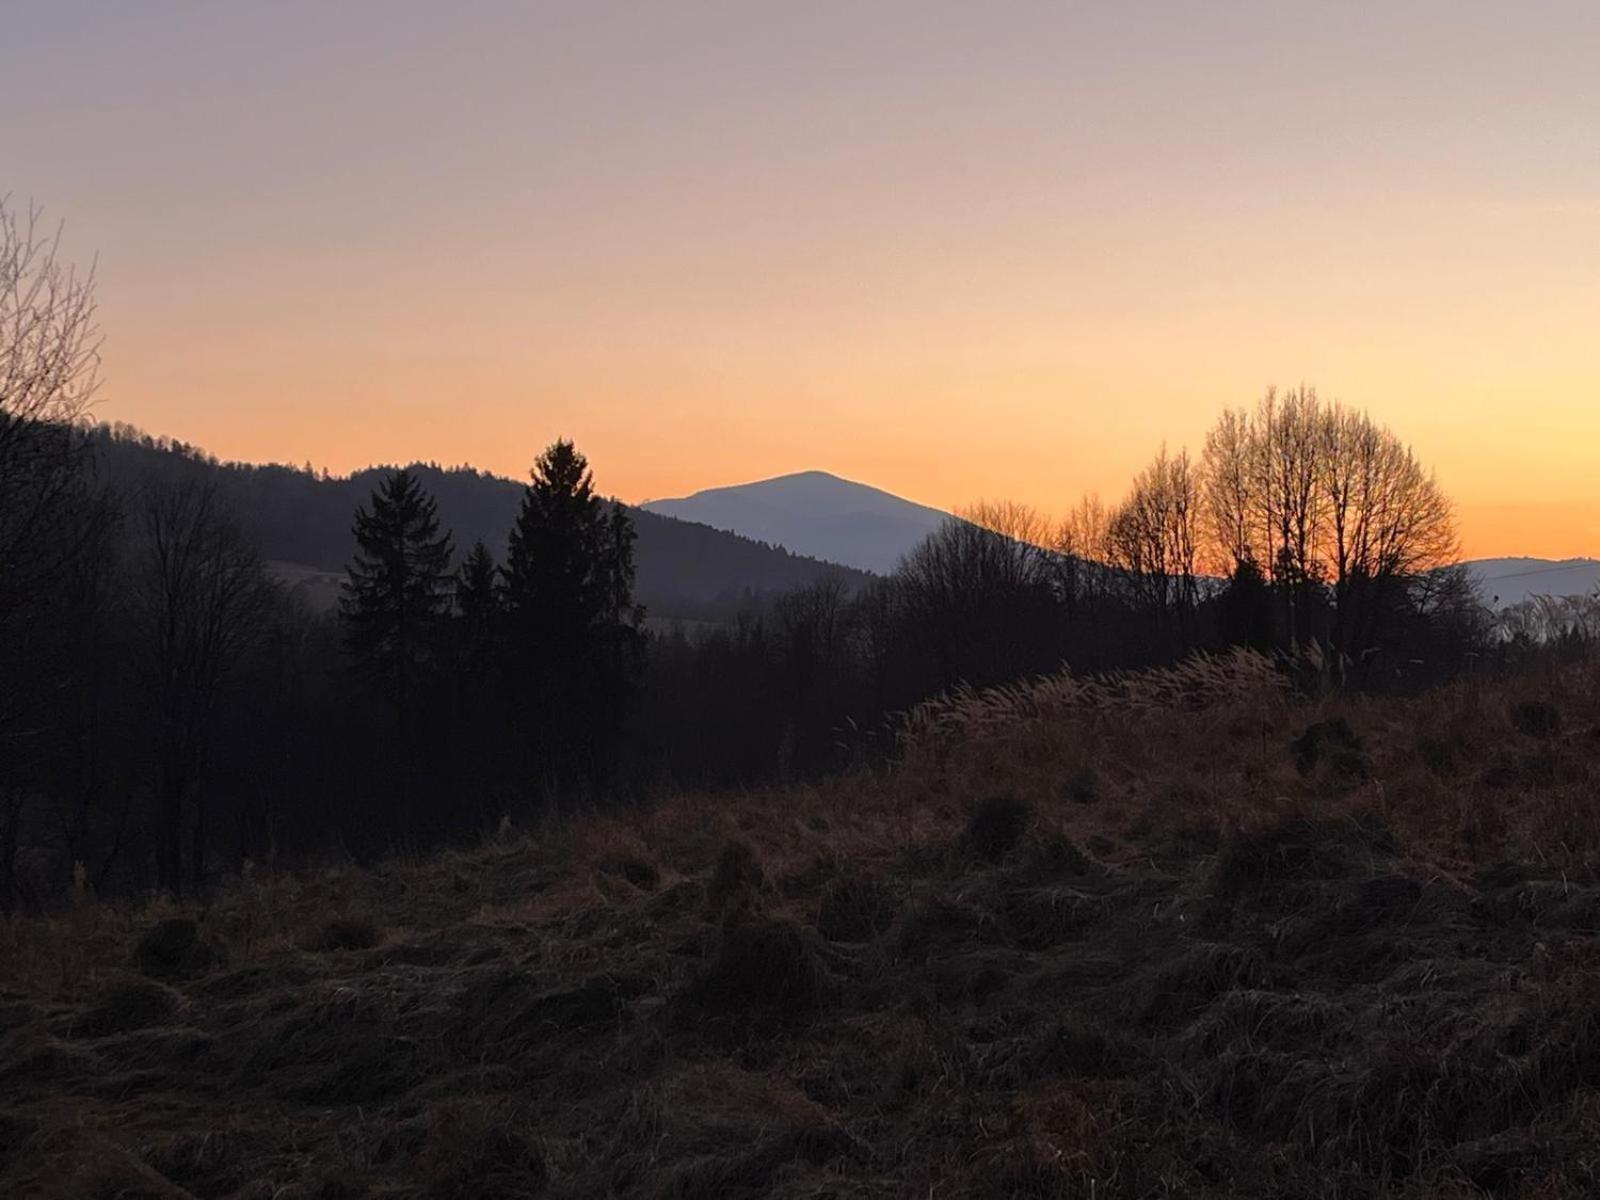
x=1513, y=580
x=303, y=521
x=816, y=514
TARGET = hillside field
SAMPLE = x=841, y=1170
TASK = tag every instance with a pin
x=1181, y=934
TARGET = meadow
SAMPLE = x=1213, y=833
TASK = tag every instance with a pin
x=1180, y=933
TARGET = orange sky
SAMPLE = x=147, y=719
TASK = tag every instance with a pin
x=954, y=251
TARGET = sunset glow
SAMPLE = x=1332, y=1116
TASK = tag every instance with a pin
x=953, y=255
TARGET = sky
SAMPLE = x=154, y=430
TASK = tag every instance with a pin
x=959, y=251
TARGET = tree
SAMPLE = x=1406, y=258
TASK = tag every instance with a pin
x=1331, y=507
x=477, y=599
x=199, y=594
x=812, y=628
x=1083, y=547
x=573, y=629
x=397, y=589
x=978, y=604
x=1245, y=608
x=1153, y=540
x=49, y=372
x=555, y=589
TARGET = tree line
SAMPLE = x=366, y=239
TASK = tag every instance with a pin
x=169, y=710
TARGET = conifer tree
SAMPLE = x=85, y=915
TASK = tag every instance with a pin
x=477, y=596
x=397, y=587
x=568, y=600
x=554, y=584
x=476, y=586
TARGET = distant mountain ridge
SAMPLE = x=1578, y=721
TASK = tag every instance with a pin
x=683, y=570
x=816, y=514
x=1505, y=581
x=697, y=556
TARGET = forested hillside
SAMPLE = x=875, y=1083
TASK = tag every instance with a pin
x=303, y=516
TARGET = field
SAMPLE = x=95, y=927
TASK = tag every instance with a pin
x=1176, y=935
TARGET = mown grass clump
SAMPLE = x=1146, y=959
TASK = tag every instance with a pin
x=482, y=1149
x=1536, y=719
x=996, y=827
x=737, y=879
x=854, y=908
x=342, y=933
x=762, y=964
x=1298, y=848
x=174, y=949
x=1176, y=991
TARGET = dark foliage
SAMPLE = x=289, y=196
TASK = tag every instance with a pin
x=396, y=594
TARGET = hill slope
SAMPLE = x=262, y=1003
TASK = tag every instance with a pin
x=816, y=514
x=1216, y=946
x=304, y=519
x=1505, y=581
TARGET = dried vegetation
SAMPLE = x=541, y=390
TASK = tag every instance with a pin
x=1169, y=935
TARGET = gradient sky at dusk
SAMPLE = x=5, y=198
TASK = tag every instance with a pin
x=955, y=250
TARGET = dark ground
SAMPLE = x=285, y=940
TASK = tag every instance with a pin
x=1189, y=952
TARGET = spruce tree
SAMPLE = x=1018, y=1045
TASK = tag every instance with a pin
x=397, y=588
x=477, y=595
x=554, y=586
x=476, y=586
x=572, y=624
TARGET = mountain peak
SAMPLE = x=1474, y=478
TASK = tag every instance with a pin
x=815, y=513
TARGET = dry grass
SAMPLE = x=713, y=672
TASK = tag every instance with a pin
x=1090, y=938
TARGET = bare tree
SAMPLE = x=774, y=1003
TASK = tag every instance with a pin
x=1389, y=524
x=1229, y=492
x=813, y=636
x=1152, y=537
x=1322, y=499
x=49, y=362
x=49, y=372
x=200, y=592
x=1026, y=534
x=981, y=600
x=1083, y=546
